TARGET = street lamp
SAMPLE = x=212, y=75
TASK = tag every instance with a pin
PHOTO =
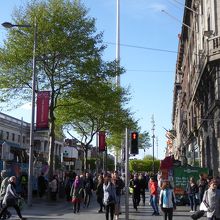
x=30, y=170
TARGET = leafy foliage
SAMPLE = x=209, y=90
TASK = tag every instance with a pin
x=69, y=55
x=143, y=165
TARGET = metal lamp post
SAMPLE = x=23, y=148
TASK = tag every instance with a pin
x=30, y=170
x=153, y=137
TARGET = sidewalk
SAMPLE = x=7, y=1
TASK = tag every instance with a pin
x=47, y=210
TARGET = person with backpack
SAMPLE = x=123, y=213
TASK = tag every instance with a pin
x=3, y=188
x=167, y=200
x=109, y=198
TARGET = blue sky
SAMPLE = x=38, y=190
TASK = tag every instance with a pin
x=149, y=74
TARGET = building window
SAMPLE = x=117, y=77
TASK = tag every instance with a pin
x=23, y=139
x=13, y=137
x=7, y=135
x=19, y=138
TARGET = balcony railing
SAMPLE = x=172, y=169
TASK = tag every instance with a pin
x=214, y=48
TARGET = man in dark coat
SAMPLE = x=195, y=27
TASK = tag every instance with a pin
x=135, y=185
x=41, y=185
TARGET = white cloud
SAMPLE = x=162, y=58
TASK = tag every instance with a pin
x=26, y=106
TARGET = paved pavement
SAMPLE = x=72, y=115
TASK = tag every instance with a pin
x=45, y=210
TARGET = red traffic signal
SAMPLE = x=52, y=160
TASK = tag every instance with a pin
x=134, y=143
x=134, y=135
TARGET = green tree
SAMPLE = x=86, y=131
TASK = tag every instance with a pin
x=69, y=52
x=143, y=165
x=144, y=140
x=148, y=157
x=98, y=108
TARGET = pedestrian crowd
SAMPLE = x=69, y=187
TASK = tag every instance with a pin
x=204, y=193
x=108, y=188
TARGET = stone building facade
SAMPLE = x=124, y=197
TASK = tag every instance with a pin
x=16, y=133
x=196, y=105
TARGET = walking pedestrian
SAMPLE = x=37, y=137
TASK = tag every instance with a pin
x=167, y=200
x=3, y=188
x=135, y=186
x=119, y=185
x=54, y=188
x=88, y=187
x=212, y=199
x=11, y=198
x=153, y=187
x=76, y=194
x=143, y=186
x=41, y=182
x=100, y=193
x=203, y=185
x=192, y=190
x=109, y=197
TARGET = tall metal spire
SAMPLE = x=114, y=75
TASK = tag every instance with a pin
x=118, y=42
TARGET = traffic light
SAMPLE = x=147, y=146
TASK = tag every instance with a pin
x=134, y=143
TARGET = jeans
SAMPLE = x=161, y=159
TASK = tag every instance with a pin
x=117, y=204
x=110, y=208
x=192, y=201
x=153, y=202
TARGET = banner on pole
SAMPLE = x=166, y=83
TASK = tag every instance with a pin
x=43, y=99
x=102, y=143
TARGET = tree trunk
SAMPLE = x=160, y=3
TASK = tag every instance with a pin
x=52, y=139
x=85, y=159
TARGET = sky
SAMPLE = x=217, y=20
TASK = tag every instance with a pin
x=150, y=73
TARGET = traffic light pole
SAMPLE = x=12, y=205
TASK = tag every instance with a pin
x=127, y=174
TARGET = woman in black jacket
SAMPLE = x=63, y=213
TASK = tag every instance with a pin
x=100, y=193
x=192, y=190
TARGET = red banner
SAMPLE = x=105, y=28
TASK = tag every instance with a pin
x=102, y=143
x=43, y=99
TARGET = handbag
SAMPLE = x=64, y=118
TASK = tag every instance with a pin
x=197, y=214
x=75, y=200
x=203, y=206
x=21, y=203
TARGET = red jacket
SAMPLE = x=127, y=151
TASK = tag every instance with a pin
x=153, y=187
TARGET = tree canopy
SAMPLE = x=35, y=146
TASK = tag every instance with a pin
x=68, y=53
